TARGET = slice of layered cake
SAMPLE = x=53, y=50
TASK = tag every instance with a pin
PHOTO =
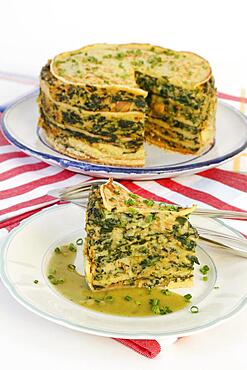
x=133, y=241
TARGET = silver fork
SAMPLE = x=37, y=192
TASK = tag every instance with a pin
x=78, y=194
x=228, y=242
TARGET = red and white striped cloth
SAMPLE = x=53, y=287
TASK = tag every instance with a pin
x=25, y=181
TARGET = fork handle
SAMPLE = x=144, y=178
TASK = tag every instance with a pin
x=221, y=235
x=231, y=241
x=220, y=214
x=225, y=245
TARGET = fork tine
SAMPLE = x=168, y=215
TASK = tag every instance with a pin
x=75, y=196
x=82, y=204
x=215, y=213
x=75, y=190
x=82, y=187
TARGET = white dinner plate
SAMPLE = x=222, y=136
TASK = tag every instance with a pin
x=20, y=128
x=24, y=257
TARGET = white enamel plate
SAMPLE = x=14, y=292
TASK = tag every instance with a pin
x=24, y=258
x=20, y=128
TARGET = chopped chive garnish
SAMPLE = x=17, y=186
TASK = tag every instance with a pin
x=117, y=192
x=120, y=55
x=162, y=204
x=71, y=267
x=128, y=298
x=134, y=196
x=204, y=269
x=138, y=303
x=133, y=211
x=148, y=202
x=156, y=309
x=194, y=309
x=187, y=297
x=72, y=247
x=57, y=250
x=79, y=241
x=57, y=281
x=129, y=202
x=149, y=290
x=155, y=306
x=166, y=292
x=109, y=298
x=169, y=207
x=181, y=220
x=36, y=281
x=150, y=218
x=205, y=278
x=54, y=280
x=193, y=259
x=165, y=310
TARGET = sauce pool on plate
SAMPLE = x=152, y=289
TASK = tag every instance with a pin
x=129, y=302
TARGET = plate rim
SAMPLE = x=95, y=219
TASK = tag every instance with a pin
x=87, y=166
x=14, y=293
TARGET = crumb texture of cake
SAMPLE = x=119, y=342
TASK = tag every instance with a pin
x=133, y=241
x=102, y=102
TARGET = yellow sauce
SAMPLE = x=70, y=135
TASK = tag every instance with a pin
x=123, y=302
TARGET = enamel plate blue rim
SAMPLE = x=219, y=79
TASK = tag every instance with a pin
x=13, y=291
x=86, y=166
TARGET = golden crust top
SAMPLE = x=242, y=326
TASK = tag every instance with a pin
x=114, y=65
x=114, y=196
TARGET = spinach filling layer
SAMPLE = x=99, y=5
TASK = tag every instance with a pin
x=192, y=98
x=168, y=110
x=127, y=143
x=168, y=143
x=98, y=124
x=176, y=136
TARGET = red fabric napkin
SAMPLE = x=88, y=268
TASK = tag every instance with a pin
x=149, y=348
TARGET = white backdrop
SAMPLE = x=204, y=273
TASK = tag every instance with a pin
x=33, y=31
